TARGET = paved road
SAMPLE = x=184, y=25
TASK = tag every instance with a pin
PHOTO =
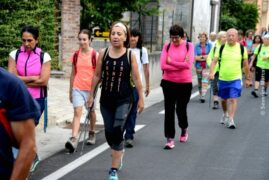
x=213, y=152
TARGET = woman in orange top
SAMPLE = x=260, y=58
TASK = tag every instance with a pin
x=84, y=62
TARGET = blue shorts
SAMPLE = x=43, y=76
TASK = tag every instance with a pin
x=230, y=89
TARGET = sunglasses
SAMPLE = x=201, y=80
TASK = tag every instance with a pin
x=174, y=37
x=27, y=40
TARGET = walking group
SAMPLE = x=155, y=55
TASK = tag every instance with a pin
x=224, y=61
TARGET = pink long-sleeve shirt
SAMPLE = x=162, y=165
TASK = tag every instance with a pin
x=179, y=70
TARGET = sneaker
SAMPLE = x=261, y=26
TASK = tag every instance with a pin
x=224, y=119
x=92, y=138
x=35, y=163
x=129, y=143
x=202, y=99
x=216, y=105
x=184, y=136
x=71, y=144
x=170, y=144
x=254, y=93
x=230, y=124
x=113, y=175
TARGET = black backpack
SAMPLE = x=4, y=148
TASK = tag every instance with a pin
x=168, y=46
x=242, y=54
x=256, y=58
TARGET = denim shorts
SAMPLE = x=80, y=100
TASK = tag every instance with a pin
x=80, y=98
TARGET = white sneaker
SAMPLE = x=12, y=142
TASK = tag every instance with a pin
x=224, y=119
x=92, y=138
x=230, y=124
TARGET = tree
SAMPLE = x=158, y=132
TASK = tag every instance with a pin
x=103, y=14
x=237, y=14
x=15, y=14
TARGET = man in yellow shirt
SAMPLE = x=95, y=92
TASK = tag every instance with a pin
x=230, y=75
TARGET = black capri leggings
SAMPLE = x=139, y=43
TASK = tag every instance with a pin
x=114, y=121
x=261, y=73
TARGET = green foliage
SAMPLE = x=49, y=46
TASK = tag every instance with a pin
x=103, y=14
x=228, y=22
x=249, y=16
x=14, y=14
x=237, y=14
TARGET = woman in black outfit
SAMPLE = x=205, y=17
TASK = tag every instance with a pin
x=115, y=66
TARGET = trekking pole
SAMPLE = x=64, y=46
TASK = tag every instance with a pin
x=210, y=91
x=86, y=122
x=45, y=109
x=86, y=125
x=45, y=116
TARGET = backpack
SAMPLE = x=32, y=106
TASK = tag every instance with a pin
x=44, y=88
x=168, y=46
x=256, y=58
x=129, y=56
x=6, y=125
x=141, y=52
x=242, y=54
x=75, y=59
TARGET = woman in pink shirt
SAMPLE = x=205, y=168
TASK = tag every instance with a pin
x=176, y=62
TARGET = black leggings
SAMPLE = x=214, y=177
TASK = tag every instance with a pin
x=176, y=98
x=114, y=121
x=261, y=74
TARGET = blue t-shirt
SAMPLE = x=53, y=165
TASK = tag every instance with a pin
x=16, y=104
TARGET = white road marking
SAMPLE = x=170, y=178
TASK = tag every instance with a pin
x=82, y=160
x=192, y=96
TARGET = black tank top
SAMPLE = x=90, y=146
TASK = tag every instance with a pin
x=116, y=84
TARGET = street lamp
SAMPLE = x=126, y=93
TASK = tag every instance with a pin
x=214, y=2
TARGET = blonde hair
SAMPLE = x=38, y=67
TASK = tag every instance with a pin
x=220, y=34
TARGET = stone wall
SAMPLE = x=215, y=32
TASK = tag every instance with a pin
x=69, y=29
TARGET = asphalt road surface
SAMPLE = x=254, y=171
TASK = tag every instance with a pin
x=212, y=152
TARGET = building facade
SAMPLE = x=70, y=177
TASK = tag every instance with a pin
x=194, y=16
x=263, y=15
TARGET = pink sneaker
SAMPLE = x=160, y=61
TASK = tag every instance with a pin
x=170, y=144
x=184, y=136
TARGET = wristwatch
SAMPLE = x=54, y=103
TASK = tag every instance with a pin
x=202, y=57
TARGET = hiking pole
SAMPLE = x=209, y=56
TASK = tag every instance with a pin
x=86, y=125
x=45, y=109
x=210, y=91
x=86, y=122
x=45, y=115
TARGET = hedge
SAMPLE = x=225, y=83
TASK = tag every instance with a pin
x=14, y=14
